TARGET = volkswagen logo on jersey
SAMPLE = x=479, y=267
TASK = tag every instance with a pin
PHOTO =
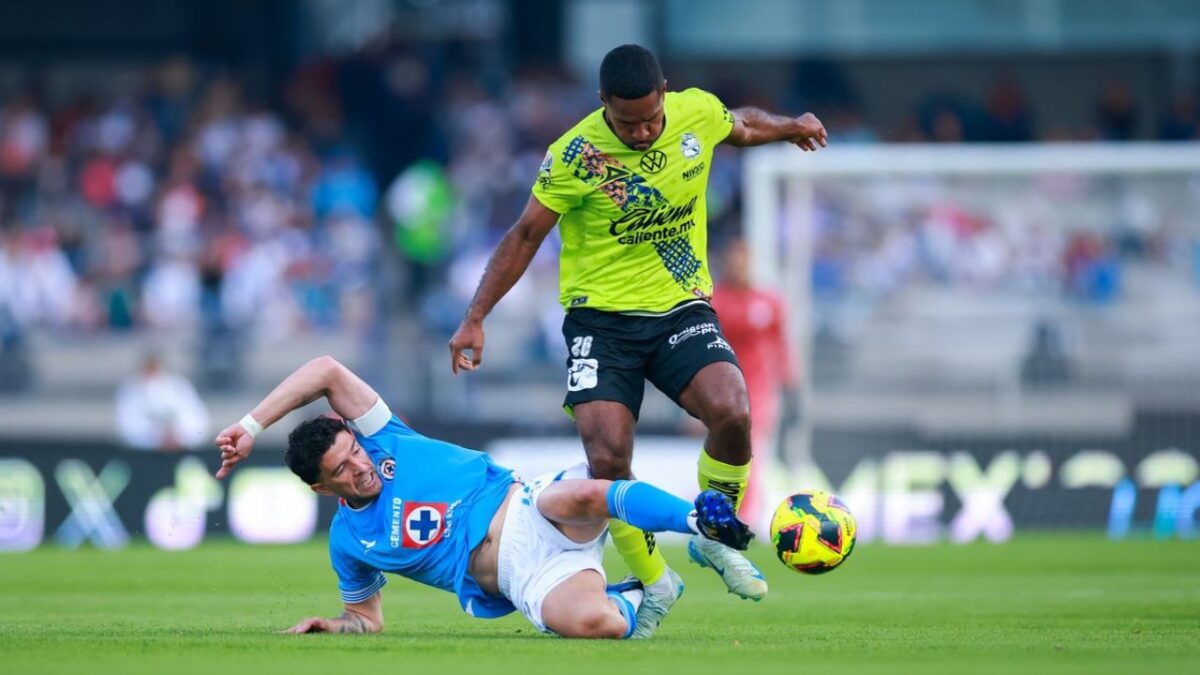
x=689, y=145
x=653, y=161
x=387, y=468
x=424, y=524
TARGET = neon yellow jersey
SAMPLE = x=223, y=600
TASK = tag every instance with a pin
x=634, y=223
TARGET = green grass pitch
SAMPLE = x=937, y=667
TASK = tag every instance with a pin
x=1044, y=603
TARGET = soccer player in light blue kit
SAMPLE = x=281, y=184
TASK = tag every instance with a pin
x=451, y=518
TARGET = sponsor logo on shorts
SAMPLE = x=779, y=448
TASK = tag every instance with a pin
x=718, y=343
x=691, y=332
x=424, y=523
x=582, y=374
x=387, y=468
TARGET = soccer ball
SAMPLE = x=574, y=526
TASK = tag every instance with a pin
x=813, y=532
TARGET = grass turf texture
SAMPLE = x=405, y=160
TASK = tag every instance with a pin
x=1042, y=603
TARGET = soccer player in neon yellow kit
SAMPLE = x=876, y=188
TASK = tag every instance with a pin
x=626, y=186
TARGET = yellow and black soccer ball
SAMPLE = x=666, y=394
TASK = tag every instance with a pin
x=813, y=532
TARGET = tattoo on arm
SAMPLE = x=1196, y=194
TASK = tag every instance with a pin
x=351, y=622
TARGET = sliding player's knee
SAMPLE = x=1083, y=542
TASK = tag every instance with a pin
x=596, y=622
x=575, y=501
x=590, y=498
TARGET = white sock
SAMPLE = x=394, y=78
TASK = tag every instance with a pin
x=691, y=521
x=662, y=586
x=634, y=596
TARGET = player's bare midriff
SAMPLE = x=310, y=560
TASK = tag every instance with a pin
x=484, y=564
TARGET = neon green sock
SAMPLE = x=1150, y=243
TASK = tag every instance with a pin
x=638, y=550
x=728, y=479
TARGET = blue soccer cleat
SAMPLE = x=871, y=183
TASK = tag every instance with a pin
x=717, y=521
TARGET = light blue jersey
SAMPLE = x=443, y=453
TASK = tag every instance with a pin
x=434, y=508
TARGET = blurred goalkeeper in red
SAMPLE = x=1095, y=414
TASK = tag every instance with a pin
x=755, y=323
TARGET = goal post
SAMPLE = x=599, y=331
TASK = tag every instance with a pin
x=959, y=259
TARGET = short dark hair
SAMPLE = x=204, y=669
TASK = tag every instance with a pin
x=308, y=443
x=629, y=71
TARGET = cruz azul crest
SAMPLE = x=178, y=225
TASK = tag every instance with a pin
x=424, y=524
x=387, y=468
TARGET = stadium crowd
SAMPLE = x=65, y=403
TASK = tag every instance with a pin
x=194, y=204
x=187, y=204
x=874, y=242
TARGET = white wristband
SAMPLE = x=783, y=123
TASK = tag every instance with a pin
x=251, y=426
x=373, y=420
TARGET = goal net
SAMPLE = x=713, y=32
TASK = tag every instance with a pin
x=995, y=338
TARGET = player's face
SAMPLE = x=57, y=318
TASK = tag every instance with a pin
x=348, y=472
x=637, y=122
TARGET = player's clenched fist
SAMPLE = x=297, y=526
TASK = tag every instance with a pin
x=810, y=133
x=468, y=337
x=235, y=444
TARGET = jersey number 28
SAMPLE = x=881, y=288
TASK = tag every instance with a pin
x=581, y=346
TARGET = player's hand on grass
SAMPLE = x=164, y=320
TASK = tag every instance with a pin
x=810, y=133
x=313, y=624
x=468, y=338
x=235, y=444
x=348, y=622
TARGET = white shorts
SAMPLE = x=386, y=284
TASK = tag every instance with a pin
x=535, y=556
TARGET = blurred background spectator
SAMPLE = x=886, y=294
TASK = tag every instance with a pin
x=244, y=181
x=159, y=410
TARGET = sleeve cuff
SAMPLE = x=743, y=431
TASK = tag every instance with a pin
x=549, y=203
x=355, y=597
x=375, y=419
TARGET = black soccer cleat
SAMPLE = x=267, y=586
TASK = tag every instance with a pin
x=716, y=520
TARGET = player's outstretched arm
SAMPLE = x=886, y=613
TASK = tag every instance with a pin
x=361, y=617
x=348, y=395
x=507, y=264
x=752, y=126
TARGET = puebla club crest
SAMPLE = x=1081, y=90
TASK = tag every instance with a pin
x=689, y=145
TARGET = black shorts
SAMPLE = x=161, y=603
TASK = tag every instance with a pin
x=611, y=355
